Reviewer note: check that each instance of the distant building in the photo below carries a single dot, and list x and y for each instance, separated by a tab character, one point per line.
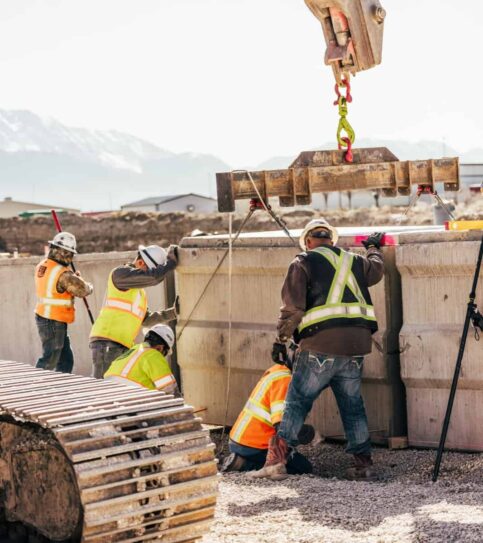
12	208
192	203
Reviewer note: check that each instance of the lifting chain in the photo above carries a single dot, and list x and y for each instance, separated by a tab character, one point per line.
344	141
424	189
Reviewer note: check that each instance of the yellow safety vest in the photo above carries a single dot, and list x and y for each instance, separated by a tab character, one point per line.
51	304
121	315
142	365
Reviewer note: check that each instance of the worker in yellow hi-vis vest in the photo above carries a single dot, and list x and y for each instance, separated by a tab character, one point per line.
145	365
125	307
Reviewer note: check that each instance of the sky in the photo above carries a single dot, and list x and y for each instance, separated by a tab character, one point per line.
241	79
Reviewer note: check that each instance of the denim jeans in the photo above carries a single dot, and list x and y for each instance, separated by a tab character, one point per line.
297	464
104	352
311	374
56	352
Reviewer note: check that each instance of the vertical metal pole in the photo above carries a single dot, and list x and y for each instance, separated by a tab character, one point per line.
469	311
170	294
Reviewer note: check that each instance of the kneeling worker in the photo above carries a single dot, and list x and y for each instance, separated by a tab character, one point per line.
145	365
258	423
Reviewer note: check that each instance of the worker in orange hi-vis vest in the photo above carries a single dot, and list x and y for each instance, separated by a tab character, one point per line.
258	422
56	287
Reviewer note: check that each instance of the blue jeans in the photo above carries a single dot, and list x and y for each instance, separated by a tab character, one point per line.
56	352
297	464
311	374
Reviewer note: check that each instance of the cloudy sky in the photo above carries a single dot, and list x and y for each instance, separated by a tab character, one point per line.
242	79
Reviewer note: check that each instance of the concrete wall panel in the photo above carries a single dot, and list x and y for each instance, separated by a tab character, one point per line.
18	334
437	273
259	267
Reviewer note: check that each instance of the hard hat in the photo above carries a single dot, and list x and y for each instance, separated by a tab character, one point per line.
312	225
64	240
153	255
164	332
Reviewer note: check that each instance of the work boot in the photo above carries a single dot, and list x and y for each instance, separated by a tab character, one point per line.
362	469
233	462
275	464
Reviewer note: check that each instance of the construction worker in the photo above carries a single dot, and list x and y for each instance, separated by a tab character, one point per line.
145	365
56	287
125	305
328	308
258	423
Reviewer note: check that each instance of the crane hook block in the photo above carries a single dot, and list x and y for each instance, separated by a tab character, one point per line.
353	31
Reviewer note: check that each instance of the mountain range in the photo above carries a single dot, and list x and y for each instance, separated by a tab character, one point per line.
45	161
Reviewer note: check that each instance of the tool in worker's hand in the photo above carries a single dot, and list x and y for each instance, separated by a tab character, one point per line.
474	316
376	240
58	227
279	353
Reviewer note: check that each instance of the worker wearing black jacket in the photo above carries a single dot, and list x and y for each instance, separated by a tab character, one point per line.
328	309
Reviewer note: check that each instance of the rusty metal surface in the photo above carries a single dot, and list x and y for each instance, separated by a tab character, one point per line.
326	171
353	31
113	463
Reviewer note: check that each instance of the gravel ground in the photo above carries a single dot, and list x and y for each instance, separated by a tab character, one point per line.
403	506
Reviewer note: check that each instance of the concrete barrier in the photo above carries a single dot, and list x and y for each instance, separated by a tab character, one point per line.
260	262
18	334
437	272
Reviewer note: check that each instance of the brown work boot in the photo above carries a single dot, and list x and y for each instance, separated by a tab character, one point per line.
362	469
275	464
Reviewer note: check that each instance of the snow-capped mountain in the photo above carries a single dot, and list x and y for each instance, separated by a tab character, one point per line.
43	160
25	131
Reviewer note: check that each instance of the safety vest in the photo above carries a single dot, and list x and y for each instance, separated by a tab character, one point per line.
121	315
255	425
337	293
142	366
50	303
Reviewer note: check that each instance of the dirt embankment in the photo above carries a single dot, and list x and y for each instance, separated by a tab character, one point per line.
121	231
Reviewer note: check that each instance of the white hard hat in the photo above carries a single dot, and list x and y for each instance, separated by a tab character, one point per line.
153	255
312	225
64	240
164	332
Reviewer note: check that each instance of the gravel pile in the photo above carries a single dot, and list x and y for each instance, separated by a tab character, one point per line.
403	506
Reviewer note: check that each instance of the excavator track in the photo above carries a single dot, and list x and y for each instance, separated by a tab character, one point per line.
88	460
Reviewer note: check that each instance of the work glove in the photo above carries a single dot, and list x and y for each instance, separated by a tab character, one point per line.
279	353
374	240
173	253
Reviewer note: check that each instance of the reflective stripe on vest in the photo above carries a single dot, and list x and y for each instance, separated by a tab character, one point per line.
121	316
255	425
52	304
335	308
142	365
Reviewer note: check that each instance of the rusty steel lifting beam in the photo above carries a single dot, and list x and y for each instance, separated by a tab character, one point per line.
326	171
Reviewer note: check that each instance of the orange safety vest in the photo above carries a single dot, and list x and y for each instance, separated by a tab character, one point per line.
52	304
255	424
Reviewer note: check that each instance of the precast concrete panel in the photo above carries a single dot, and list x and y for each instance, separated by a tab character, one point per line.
19	339
437	272
260	262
